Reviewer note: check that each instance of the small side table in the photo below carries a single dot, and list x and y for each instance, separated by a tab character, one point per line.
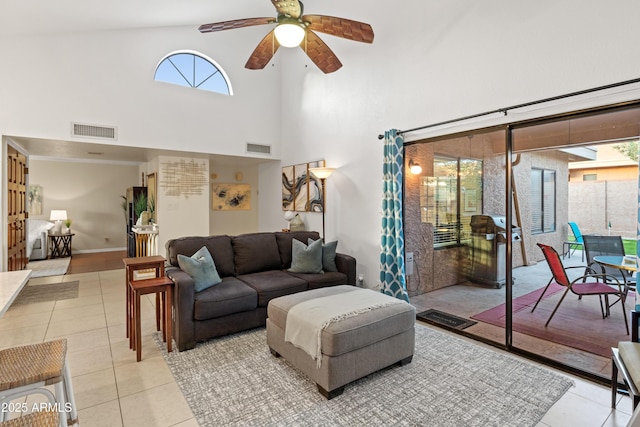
60	245
132	265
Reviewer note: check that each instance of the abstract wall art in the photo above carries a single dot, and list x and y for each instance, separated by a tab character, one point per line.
301	191
230	197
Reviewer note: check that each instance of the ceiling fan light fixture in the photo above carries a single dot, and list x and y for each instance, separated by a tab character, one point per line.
289	34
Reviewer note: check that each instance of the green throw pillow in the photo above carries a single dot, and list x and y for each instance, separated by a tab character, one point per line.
306	259
201	268
328	255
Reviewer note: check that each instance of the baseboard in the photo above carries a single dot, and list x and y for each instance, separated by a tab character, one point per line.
91	251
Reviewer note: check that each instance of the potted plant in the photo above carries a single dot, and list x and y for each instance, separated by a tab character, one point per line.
152	209
140	206
67	223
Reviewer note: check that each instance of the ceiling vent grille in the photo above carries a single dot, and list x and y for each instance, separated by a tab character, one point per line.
93	131
258	148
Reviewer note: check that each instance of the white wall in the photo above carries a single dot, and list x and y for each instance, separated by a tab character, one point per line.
237	221
181	213
440	61
90	193
106	78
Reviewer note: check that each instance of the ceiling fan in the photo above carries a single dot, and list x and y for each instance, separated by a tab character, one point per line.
295	29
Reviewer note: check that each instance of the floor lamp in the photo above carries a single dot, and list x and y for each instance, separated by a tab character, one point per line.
322	174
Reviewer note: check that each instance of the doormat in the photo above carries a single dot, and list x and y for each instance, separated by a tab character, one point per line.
32	294
440	318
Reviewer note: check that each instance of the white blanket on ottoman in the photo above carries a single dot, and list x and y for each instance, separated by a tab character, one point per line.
307	320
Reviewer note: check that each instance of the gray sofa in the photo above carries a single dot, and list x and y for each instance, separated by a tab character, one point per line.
253	268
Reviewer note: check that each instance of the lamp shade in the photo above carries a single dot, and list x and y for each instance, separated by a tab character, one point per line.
289	34
58	215
321	173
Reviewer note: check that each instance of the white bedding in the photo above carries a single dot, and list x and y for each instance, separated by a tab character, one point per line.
306	320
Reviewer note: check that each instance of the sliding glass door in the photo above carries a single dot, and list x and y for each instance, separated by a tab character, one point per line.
531	178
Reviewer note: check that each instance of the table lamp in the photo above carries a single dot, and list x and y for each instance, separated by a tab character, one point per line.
58	216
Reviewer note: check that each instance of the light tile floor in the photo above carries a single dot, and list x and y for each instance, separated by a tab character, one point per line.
112	389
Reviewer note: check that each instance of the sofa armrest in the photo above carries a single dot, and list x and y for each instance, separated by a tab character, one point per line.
347	264
183	306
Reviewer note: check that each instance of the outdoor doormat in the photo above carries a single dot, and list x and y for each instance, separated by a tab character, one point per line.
32	294
440	318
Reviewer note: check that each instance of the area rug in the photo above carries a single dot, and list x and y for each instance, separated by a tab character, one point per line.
32	294
234	380
440	318
49	267
578	323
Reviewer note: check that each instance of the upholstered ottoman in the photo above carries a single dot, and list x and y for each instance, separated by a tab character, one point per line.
357	343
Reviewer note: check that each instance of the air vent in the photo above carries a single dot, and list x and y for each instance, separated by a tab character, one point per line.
258	148
93	131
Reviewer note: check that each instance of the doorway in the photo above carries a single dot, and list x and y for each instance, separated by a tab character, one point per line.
16	210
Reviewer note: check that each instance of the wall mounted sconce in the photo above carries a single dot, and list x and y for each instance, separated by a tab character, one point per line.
415	168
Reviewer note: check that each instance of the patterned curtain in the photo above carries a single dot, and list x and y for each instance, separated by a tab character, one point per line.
392	270
638	233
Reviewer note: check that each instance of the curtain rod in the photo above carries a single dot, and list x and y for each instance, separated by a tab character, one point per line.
505	110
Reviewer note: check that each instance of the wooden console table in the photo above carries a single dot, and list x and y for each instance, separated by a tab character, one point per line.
60	245
146	241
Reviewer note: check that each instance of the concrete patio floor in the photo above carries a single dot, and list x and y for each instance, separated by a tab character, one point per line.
467	299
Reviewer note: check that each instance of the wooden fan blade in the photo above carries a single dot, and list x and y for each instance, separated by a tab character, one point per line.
292	8
320	53
263	53
340	27
230	25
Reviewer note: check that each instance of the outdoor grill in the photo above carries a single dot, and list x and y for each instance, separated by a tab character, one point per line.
488	249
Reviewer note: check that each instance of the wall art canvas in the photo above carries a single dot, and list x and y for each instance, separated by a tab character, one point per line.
287	188
35	200
315	189
301	191
230	197
300	185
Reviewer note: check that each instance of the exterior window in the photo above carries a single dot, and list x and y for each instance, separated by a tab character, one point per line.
543	201
450	197
590	177
194	70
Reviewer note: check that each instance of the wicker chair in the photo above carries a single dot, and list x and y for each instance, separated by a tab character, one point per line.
29	369
39	419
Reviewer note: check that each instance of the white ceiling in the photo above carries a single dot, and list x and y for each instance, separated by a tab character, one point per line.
20	17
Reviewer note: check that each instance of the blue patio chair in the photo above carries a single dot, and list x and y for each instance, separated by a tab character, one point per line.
569	247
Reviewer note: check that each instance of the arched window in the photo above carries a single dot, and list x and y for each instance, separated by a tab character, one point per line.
192	69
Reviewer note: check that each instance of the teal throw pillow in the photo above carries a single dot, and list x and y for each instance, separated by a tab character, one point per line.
201	268
306	259
328	255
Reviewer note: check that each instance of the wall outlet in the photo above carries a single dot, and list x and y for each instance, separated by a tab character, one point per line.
408	263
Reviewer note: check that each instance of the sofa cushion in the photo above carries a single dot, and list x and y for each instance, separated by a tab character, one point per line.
228	297
255	252
306	258
201	268
322	280
273	284
328	255
219	247
284	243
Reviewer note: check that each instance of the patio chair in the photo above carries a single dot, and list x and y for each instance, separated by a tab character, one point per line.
570	246
603	246
588	284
